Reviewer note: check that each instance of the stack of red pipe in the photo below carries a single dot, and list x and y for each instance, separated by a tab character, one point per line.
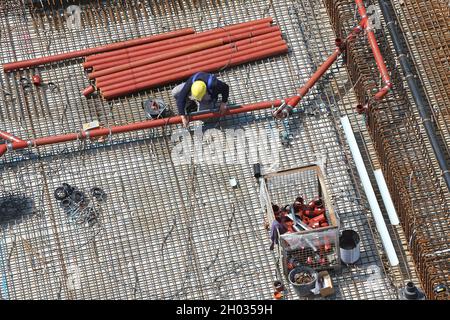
12	66
124	71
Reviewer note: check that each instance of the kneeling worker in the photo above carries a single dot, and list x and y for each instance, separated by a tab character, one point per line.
201	90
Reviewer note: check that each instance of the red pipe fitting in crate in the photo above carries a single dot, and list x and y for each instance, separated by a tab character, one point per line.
319	219
314	224
318	211
327	246
316	203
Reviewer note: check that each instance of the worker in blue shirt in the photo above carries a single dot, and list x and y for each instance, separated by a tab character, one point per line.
201	91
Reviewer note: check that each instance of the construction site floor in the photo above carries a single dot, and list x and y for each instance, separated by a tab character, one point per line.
169	231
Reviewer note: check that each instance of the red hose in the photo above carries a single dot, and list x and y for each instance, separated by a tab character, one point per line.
159	57
214	31
205	54
144	72
81	53
186	71
139	54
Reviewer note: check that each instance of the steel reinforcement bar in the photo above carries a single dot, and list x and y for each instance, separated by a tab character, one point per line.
420	197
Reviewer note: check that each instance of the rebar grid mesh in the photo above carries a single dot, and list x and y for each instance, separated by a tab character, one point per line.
166	231
426	27
421	198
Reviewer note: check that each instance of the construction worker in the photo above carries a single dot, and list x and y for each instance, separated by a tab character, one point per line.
278	227
200	92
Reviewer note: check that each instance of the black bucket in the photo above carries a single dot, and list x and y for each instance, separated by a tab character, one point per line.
349	246
303	289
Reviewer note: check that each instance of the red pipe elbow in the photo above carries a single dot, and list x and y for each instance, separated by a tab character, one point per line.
383	91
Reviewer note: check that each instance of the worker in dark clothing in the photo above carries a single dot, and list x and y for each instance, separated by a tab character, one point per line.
201	90
278	228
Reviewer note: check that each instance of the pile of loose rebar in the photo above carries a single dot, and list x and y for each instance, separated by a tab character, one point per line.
124	71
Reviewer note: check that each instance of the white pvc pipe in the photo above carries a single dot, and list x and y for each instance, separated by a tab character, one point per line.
387	200
376	211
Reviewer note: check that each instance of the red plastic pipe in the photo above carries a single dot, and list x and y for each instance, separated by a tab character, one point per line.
82	53
266	21
376	51
168	44
204	54
159	57
9	137
186	71
164	71
228	36
140	54
3	149
98	66
87	91
340	46
138	75
134	127
315	77
151	71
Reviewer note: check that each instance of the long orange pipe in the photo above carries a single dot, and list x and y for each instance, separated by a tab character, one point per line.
215	57
120	59
159	57
137	52
9	137
186	71
112	66
205	54
7	67
156	68
340	46
221	29
316	76
168	44
136	75
133	127
376	51
142	125
228	36
224	60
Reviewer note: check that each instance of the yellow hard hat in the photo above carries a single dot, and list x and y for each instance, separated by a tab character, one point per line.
198	90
